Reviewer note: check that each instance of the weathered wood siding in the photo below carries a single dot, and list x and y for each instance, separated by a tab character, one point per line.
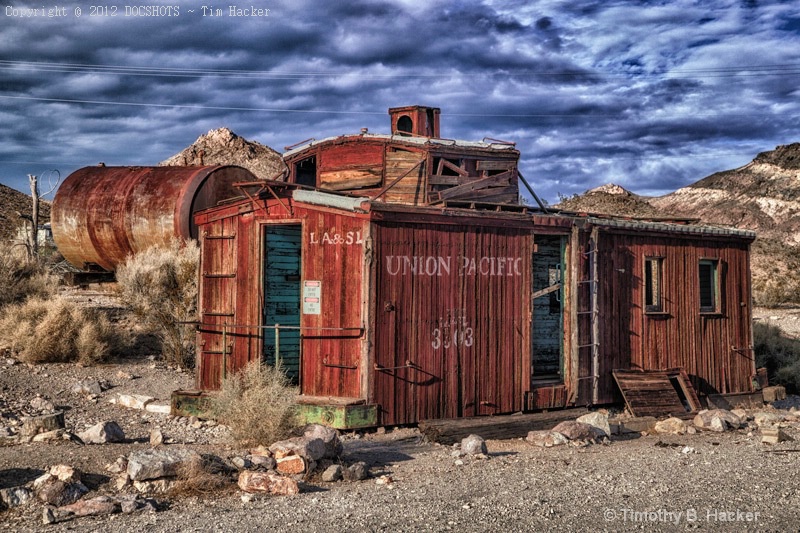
453	320
714	348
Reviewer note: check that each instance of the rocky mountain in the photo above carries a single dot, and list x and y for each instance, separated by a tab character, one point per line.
13	201
763	196
224	147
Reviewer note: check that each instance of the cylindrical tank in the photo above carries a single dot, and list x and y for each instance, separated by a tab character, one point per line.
100	215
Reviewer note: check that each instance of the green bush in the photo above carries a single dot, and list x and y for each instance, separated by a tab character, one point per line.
779	354
257	403
160	285
56	330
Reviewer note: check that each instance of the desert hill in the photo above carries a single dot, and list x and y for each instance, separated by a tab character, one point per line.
224	147
13	201
763	196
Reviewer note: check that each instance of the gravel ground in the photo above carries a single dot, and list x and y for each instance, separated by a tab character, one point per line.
640	482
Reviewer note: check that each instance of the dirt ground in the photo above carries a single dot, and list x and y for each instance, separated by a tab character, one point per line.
708	481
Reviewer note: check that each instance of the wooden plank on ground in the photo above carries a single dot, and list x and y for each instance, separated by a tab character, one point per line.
452	430
656	392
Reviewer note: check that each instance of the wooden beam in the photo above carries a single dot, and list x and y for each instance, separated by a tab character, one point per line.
452	430
460	171
491	181
496	165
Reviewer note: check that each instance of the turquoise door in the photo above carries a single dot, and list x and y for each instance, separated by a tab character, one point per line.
282	297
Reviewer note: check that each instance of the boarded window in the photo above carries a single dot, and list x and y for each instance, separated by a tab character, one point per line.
709	285
305	172
653	300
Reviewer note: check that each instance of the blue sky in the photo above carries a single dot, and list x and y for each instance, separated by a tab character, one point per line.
649	95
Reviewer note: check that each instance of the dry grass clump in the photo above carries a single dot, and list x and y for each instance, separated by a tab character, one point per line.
202	476
57	331
22	278
160	285
779	354
258	404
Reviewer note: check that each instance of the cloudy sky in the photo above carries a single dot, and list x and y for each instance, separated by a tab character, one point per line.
651	95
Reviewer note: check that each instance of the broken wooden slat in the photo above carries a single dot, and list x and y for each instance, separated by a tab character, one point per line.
491	181
337	180
656	392
460	171
496	165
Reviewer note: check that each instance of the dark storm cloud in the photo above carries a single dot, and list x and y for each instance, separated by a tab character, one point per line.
651	95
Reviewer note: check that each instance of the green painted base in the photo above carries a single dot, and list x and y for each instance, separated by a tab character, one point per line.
340	416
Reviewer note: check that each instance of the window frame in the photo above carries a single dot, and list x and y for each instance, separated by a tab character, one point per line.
653	281
712	279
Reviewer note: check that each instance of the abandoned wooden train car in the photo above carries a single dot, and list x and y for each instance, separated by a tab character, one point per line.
412	165
390	314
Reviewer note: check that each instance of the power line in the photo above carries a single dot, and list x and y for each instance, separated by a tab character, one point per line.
349	112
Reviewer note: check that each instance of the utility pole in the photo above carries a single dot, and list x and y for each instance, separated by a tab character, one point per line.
34	244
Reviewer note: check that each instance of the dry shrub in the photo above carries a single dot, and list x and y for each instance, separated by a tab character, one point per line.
202	476
22	278
56	331
160	285
257	403
779	354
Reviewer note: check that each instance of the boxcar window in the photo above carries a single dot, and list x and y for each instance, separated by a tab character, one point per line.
653	301
709	286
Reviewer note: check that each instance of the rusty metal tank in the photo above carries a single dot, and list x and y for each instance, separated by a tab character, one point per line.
102	214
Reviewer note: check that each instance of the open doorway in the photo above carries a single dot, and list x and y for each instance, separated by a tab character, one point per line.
281	312
547	328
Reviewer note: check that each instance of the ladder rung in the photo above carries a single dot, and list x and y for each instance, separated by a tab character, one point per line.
588	281
588	345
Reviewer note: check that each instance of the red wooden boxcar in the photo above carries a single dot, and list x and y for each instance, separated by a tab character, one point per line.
417	312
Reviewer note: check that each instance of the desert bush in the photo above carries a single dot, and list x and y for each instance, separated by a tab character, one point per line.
257	403
779	354
202	476
22	278
776	290
160	285
56	330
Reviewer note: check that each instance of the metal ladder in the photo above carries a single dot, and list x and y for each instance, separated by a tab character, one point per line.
593	312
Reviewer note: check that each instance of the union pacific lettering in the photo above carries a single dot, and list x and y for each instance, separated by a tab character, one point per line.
437	265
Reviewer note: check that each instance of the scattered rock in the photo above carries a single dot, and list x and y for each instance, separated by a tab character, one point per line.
384	480
267	482
263	462
766	418
41	404
154	464
159	408
156	437
290	465
773	436
134	401
473	445
56	492
102	433
101	505
717	420
332	474
671	426
118	466
87	387
546	438
598	420
154	486
574	430
329	436
242	463
121	374
16	496
356	472
311	449
33	425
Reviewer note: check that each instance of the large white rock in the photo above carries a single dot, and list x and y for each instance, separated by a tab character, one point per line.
598	420
102	433
153	464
